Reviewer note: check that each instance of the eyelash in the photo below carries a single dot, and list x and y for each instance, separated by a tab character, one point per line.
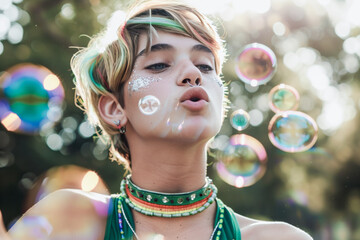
159	67
204	68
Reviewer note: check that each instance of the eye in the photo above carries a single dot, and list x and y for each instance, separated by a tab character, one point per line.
157	67
204	68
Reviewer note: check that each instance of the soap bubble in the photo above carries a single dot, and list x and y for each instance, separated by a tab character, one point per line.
292	131
256	64
242	162
77	181
283	98
27	94
149	104
239	119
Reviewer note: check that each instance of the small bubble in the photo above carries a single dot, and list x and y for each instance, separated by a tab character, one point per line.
239	119
283	98
149	104
256	64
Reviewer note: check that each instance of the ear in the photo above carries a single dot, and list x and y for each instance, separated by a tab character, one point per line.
111	111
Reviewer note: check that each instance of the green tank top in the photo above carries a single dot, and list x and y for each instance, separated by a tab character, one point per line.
230	229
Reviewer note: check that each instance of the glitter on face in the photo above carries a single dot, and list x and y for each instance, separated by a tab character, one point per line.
292	131
141	83
242	162
256	64
149	105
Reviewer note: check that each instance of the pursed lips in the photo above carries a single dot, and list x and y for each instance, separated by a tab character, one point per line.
194	99
195	94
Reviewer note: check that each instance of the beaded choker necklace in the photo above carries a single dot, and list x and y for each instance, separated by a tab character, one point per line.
168	204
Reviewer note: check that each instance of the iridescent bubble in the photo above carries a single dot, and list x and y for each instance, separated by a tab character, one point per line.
240	119
78	182
27	94
283	98
66	176
242	162
149	104
292	131
256	64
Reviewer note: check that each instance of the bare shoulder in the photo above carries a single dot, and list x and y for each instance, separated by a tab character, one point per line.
256	229
65	213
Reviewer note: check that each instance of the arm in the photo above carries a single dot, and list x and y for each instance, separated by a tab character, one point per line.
66	213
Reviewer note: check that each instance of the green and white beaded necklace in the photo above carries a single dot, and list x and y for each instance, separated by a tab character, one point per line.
169	205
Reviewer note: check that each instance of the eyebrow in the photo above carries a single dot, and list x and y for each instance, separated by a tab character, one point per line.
168	47
201	48
157	47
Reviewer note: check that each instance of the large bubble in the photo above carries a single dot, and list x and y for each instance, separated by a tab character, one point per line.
292	131
283	98
149	105
58	205
256	64
242	162
66	176
30	98
240	119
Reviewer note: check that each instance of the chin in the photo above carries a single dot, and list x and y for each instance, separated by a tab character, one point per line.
195	131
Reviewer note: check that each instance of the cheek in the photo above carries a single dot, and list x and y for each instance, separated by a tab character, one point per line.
141	84
217	80
147	96
219	102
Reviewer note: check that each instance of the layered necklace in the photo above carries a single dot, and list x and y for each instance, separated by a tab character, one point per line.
170	205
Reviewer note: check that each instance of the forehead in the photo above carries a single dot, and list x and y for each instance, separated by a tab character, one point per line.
179	42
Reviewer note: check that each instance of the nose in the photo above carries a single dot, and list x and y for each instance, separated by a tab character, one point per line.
190	75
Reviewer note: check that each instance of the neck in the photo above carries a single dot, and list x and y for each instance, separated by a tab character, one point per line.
169	167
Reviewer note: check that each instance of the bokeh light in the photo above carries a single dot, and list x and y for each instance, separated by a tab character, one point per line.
283	98
89	181
242	162
256	64
11	122
292	131
12	19
31	97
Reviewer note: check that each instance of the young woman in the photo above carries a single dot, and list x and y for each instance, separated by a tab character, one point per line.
157	97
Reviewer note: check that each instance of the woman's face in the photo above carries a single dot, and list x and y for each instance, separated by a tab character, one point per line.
174	91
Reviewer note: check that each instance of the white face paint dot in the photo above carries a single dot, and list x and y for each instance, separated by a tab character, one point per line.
149	104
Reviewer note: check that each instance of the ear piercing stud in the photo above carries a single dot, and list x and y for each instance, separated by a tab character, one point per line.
117	123
122	129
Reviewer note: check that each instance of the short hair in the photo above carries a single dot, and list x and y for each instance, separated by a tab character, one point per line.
99	73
